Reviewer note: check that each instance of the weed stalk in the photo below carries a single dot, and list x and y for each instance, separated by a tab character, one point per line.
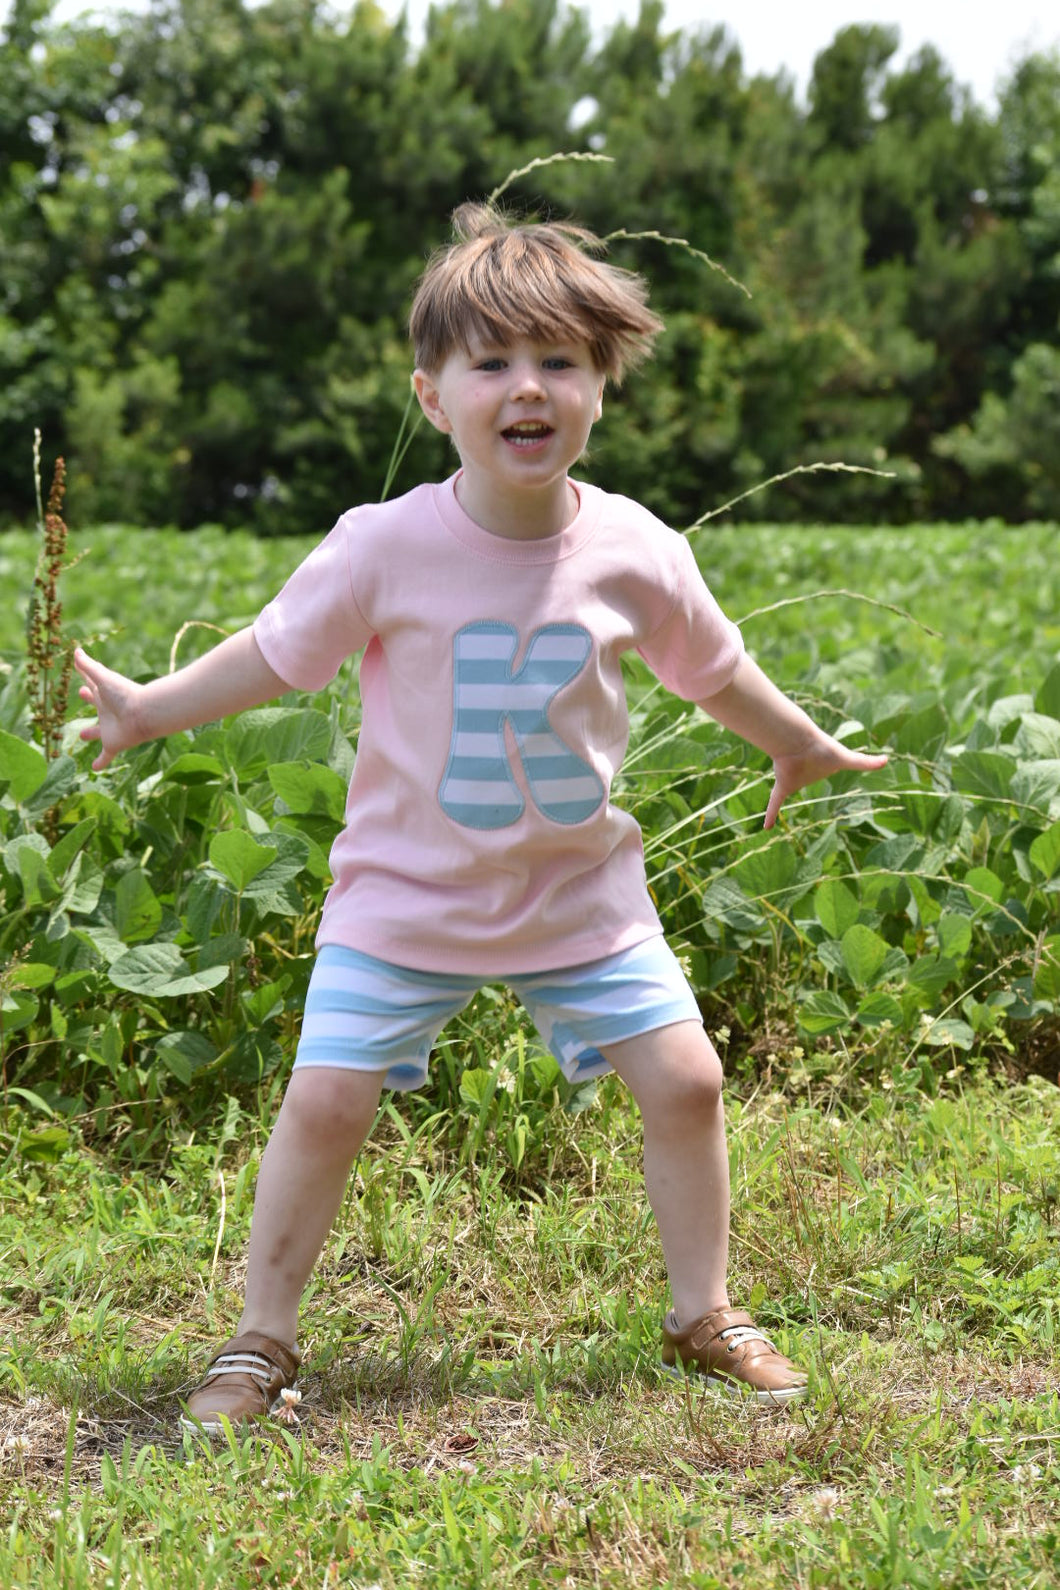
49	655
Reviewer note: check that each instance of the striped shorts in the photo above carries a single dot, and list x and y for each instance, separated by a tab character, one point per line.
367	1015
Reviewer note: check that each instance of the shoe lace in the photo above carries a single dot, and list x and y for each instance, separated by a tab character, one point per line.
256	1365
736	1335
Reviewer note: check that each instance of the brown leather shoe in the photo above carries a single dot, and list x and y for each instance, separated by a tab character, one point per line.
733	1356
244	1379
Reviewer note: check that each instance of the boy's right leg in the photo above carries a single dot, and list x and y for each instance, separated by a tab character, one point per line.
326	1115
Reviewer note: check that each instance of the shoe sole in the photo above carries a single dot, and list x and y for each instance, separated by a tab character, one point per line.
215	1427
736	1389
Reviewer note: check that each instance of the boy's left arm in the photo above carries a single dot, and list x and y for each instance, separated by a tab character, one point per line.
752	707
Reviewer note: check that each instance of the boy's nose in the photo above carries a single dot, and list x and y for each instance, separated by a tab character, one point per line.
526	381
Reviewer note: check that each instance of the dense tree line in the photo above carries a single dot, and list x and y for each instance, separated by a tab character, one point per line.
211	217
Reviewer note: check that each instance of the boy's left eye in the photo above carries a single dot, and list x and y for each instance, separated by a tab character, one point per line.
558	363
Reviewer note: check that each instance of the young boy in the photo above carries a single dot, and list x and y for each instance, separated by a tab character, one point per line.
480	842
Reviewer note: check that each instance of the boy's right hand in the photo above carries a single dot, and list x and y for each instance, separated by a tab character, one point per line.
117	700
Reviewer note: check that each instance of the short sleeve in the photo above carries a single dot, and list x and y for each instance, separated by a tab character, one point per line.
308	630
696	650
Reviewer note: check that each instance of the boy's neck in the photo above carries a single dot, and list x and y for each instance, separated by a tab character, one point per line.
518	516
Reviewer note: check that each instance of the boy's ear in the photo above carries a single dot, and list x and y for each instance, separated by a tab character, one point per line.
430	401
599	399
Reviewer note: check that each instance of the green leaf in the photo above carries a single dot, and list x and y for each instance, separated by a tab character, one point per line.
284	901
261	1004
60	779
929	975
137	911
30	974
822	1012
20	1008
82	885
984	773
222	950
1008	709
34	1100
206	899
475	1084
160	969
69	847
948	1030
724	901
767	870
22	767
310	788
289	853
1037	785
1038	739
46	1145
927	907
103	809
194	768
864	952
922	809
955	934
983	888
1047	699
878	1007
1045	851
1047	977
184	1053
836	907
239	858
923	734
26	858
271	735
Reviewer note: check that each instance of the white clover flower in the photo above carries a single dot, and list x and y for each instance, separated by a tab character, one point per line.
825	1503
291	1398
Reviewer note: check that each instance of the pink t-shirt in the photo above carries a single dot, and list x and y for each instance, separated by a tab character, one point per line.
479	834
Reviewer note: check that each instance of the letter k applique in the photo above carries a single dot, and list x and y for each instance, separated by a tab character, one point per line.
479	788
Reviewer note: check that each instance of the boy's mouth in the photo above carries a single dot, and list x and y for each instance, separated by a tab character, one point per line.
526	432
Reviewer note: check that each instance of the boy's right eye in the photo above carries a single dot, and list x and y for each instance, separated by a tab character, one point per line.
490	364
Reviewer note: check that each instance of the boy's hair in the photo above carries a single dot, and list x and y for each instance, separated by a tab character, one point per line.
500	281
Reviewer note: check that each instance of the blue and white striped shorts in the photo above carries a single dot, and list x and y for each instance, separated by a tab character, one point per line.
367	1015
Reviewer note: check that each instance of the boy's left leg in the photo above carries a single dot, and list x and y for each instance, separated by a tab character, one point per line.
675	1077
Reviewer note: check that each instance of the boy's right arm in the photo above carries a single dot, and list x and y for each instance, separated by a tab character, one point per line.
231	678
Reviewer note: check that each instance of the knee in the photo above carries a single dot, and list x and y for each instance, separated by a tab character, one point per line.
699	1089
690	1087
329	1105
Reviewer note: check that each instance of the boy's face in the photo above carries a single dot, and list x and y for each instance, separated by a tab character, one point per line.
519	414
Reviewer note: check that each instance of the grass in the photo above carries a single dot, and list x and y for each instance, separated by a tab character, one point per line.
482	1403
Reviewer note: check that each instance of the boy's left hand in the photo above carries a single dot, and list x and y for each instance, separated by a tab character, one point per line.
820	759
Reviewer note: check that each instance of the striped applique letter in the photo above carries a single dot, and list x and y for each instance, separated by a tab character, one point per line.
479	789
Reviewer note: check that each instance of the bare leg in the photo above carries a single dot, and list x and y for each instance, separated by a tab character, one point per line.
326	1115
675	1076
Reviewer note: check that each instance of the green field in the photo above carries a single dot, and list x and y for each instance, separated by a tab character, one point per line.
482	1403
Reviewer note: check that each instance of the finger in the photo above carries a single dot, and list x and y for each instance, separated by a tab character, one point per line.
861	762
83	662
776	801
90	731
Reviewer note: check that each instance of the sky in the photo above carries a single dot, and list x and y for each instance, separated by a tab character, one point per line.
979	44
979	48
